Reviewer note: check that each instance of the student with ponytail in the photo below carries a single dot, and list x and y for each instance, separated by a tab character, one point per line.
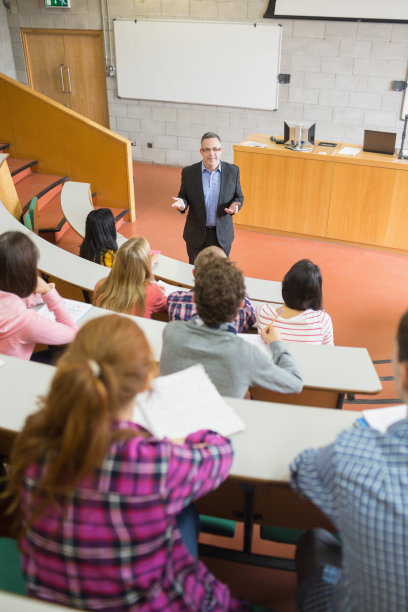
130	286
99	497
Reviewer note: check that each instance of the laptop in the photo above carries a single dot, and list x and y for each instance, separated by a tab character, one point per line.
379	142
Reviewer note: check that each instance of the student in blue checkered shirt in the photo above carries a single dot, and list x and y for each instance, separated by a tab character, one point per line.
361	483
181	307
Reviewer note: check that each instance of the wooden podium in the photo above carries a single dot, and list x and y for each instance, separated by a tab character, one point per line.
362	199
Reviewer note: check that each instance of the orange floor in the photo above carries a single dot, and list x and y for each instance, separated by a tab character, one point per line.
365	292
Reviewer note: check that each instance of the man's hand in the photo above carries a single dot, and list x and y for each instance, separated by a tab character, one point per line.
233	208
179	204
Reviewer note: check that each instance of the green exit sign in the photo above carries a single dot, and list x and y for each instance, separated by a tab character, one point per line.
58	3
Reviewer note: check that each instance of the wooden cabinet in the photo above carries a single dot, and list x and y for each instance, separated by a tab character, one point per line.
321	193
68	66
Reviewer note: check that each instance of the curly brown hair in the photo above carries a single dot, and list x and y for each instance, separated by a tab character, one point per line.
219	290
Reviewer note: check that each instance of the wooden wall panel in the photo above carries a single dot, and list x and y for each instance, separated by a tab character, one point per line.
284	193
369	205
67	143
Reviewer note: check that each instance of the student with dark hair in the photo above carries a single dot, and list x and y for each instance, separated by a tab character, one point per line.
99	244
181	306
360	483
21	328
301	318
99	497
233	364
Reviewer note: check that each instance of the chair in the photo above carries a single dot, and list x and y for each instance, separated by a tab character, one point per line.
30	217
11	575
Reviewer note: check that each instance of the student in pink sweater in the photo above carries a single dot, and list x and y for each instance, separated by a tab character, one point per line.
21	327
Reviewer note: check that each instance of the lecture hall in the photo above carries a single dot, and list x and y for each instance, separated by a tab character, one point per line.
232	177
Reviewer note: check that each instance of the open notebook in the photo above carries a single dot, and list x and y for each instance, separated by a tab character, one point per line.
185	402
76	309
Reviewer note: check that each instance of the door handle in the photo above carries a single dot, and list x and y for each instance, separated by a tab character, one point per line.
69	80
62	78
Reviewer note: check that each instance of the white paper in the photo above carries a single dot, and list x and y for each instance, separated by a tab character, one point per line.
76	309
168	288
183	403
2	363
252	143
382	418
348	151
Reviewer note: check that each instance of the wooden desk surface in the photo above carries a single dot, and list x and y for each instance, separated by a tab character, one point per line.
274	435
329	153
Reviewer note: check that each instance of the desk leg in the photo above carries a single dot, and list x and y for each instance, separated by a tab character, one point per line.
340	400
248	491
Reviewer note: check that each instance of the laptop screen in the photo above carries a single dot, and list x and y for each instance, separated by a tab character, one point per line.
379	142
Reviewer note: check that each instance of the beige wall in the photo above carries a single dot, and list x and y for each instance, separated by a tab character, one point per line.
341	75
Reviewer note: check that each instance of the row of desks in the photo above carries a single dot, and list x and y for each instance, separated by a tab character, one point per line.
78	272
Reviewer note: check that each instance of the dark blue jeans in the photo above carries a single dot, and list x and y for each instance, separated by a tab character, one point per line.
188	524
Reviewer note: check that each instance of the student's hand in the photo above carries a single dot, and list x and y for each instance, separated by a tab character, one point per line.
233	208
43	287
179	204
270	334
154	258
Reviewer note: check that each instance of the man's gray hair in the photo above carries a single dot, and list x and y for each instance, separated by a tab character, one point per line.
210	135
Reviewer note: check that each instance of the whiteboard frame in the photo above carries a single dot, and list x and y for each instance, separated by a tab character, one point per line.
295	9
201	72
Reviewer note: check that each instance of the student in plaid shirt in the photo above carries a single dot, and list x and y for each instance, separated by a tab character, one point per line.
361	483
99	496
181	306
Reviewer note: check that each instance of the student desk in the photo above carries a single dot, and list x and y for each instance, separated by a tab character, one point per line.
328	372
55	262
76	204
274	435
152	329
359	199
17	603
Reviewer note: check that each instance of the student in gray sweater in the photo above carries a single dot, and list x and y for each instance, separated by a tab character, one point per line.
232	363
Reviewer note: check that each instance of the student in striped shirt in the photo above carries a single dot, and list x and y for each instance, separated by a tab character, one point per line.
301	318
101	498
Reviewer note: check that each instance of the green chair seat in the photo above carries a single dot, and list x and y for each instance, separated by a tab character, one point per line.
280	534
217	526
11	574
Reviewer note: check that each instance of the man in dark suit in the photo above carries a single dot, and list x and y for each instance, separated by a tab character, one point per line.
211	193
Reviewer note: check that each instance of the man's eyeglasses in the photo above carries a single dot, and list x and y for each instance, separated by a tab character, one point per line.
213	150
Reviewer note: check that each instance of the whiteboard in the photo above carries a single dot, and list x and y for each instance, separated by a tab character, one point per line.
215	63
365	10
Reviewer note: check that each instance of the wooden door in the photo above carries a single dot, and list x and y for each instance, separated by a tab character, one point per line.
85	67
45	58
68	66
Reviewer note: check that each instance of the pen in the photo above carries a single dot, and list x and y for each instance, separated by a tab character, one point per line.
278	312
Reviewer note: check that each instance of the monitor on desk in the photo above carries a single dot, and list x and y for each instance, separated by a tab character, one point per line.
299	133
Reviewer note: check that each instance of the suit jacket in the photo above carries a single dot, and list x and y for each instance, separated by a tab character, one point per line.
191	191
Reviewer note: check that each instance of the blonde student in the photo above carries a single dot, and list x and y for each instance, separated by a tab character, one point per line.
130	287
99	497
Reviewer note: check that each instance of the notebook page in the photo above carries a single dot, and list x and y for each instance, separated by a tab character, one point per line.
382	418
76	309
183	403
